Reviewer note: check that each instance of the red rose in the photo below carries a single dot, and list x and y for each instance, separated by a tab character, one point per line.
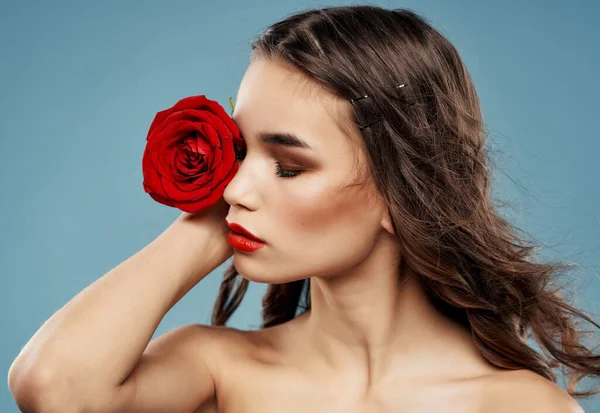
190	156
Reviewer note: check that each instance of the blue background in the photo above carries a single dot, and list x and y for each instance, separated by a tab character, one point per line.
80	82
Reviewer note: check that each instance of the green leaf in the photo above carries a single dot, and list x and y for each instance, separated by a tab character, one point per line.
231	104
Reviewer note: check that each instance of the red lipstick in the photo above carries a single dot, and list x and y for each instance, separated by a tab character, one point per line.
242	239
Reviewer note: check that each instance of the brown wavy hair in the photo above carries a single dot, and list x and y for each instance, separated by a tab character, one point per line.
428	159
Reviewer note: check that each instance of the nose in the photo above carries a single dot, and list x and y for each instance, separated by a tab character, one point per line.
241	190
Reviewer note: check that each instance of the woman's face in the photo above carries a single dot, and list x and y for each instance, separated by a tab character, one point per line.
292	197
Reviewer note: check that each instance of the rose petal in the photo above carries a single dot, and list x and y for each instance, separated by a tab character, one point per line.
151	177
177	195
168	142
190	102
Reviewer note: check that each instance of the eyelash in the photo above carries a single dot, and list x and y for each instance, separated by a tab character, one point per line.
282	173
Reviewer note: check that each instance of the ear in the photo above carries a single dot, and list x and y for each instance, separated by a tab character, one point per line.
386	222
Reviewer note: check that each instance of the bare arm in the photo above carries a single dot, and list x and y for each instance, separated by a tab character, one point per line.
89	356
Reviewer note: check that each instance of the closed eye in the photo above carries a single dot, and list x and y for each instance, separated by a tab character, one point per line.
240	153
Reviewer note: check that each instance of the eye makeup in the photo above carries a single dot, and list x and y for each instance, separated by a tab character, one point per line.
279	171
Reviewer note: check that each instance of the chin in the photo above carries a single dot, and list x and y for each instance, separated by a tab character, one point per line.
258	273
265	278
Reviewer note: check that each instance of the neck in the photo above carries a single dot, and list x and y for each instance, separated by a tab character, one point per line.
376	322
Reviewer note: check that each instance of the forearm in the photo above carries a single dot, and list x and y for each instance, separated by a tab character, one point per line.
97	338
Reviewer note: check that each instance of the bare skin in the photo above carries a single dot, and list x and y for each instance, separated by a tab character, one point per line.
283	369
292	371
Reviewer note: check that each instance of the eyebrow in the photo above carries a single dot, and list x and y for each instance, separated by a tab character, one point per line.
284	139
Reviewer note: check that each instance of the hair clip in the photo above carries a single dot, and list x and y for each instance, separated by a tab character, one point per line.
381	118
366	96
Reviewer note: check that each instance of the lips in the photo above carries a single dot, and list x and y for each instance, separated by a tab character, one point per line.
241	230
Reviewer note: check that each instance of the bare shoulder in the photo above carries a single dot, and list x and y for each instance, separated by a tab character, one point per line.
220	347
214	342
527	392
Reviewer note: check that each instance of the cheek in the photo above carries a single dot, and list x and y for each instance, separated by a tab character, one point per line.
322	231
312	209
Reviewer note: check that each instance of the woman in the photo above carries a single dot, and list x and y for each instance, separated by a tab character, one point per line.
365	183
